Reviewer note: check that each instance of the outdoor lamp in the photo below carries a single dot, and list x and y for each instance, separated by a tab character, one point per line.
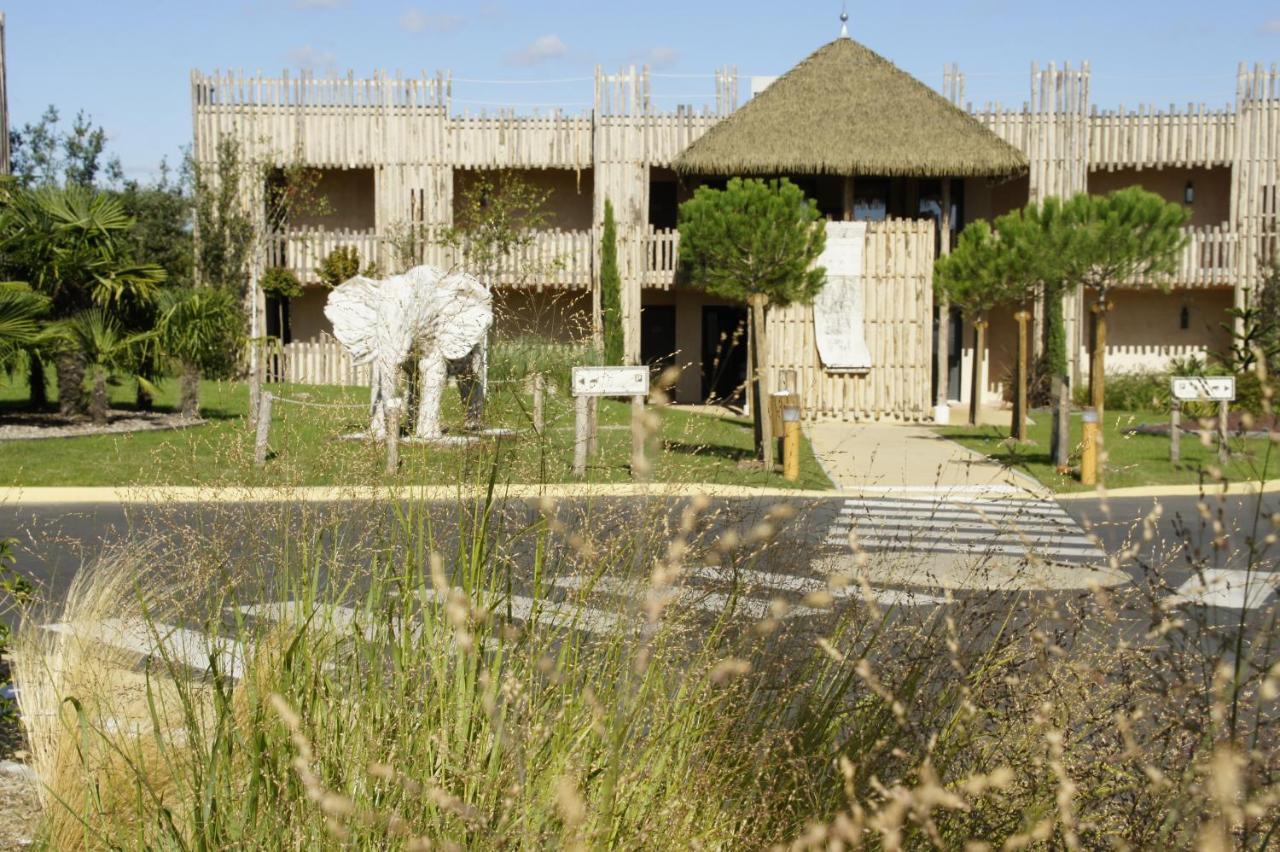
1189	194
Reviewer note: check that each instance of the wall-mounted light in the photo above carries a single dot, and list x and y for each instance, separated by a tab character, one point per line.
1189	194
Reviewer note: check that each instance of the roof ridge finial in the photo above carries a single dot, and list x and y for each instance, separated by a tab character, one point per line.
844	19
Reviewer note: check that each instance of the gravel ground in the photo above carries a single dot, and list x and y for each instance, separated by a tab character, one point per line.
29	425
19	806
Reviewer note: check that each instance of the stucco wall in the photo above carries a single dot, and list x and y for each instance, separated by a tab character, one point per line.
1144	333
568	206
350	199
1212	205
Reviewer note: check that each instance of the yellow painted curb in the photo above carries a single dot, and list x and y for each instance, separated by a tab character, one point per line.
1234	489
358	493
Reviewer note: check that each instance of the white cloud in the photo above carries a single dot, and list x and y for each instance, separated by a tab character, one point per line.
305	5
662	57
1271	27
542	49
310	58
416	20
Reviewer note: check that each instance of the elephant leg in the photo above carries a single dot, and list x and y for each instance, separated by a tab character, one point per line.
432	374
382	388
473	385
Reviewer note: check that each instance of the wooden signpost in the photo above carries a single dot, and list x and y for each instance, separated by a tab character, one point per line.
590	383
1219	389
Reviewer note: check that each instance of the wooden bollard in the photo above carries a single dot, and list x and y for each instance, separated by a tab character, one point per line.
581	434
639	466
263	430
393	409
539	409
1089	448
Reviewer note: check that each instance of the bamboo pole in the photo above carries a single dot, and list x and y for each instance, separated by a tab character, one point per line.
1019	427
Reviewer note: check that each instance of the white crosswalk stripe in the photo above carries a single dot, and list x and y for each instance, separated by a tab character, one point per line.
188	648
1223	588
964	525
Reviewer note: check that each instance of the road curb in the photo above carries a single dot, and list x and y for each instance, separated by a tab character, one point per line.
151	495
1234	489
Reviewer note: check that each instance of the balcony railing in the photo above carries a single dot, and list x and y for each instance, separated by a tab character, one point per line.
301	250
1208	260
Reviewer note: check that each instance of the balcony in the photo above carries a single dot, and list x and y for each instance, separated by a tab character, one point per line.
1208	261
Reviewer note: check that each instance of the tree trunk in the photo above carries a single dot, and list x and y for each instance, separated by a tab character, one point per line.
1097	361
752	389
189	390
71	368
1019	430
979	348
98	405
142	399
757	303
1060	439
37	382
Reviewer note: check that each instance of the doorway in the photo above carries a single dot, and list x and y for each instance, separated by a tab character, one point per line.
658	340
724	354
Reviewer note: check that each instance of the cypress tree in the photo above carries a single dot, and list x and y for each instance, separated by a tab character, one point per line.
610	290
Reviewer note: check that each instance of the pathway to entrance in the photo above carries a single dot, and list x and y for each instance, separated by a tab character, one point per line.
923	511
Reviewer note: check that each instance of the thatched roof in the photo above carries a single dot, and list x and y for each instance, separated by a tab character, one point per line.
846	110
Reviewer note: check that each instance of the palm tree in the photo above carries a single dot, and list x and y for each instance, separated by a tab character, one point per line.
21	313
107	352
72	245
202	328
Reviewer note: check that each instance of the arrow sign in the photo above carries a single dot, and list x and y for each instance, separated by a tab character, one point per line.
1204	388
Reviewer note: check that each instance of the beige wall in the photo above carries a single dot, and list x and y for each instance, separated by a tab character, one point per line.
562	316
568	205
350	198
306	314
1212	204
1143	331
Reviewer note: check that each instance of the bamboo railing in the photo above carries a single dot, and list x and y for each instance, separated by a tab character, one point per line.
1208	260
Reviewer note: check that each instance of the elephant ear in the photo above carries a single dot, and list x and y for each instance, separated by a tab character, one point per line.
464	315
352	308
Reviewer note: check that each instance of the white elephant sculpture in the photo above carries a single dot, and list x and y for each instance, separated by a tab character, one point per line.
444	319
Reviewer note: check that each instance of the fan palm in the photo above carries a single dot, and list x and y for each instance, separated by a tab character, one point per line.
71	244
202	329
21	321
107	351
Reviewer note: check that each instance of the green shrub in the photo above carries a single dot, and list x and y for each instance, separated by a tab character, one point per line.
341	264
281	283
517	358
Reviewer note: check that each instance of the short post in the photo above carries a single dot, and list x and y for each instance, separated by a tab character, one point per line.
1089	448
1175	432
639	466
1224	452
393	408
791	442
581	434
593	432
539	412
263	430
1019	430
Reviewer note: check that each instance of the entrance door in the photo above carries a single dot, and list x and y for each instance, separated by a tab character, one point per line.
658	339
724	353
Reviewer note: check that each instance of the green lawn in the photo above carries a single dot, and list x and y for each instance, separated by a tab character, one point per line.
306	447
1133	460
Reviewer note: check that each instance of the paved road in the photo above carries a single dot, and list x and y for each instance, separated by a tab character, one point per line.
916	547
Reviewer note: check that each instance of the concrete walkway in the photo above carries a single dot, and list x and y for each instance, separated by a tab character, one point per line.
908	457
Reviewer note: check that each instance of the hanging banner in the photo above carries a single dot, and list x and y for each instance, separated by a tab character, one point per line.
839	308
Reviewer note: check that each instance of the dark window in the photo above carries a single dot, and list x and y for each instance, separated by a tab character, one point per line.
664	209
1184	318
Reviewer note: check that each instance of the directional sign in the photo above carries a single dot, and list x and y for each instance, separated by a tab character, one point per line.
610	381
1204	388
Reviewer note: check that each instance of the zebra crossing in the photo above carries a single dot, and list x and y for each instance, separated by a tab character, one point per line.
963	525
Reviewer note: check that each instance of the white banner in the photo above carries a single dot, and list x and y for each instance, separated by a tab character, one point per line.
839	308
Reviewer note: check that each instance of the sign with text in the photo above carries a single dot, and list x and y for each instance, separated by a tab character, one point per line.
610	381
1204	388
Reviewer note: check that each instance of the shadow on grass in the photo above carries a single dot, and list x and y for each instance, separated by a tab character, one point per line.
717	450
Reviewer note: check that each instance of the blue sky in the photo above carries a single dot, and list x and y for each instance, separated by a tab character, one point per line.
127	62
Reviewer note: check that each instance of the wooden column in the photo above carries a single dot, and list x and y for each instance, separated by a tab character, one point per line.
941	361
1019	427
979	347
757	303
1175	432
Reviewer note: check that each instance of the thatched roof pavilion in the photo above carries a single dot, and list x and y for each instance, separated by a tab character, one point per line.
848	111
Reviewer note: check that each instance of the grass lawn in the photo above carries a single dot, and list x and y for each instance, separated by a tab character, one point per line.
1133	460
306	447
